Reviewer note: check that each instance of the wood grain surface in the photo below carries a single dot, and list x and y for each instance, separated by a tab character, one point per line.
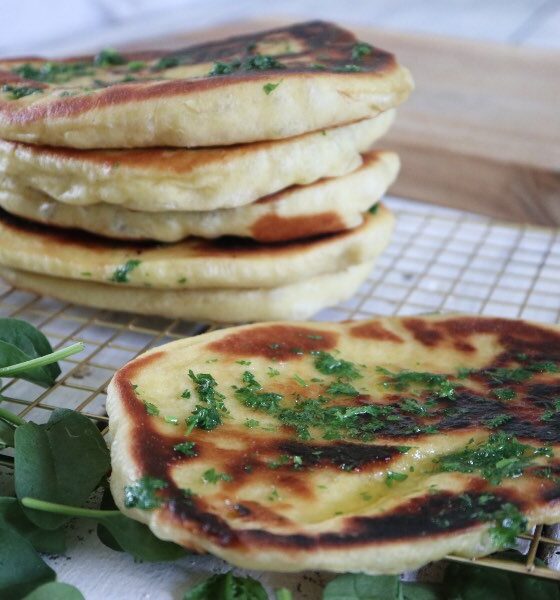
481	132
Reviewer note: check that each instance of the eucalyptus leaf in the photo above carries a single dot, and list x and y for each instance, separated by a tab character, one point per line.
20	342
469	582
62	461
12	515
524	585
125	534
421	591
6	435
120	533
137	539
227	587
55	591
358	586
21	568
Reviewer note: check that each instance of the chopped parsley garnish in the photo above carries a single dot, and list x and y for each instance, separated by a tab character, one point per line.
186	394
16	92
251	395
502	456
361	49
497	420
54	72
403	449
136	65
392	476
167	62
509	523
143	493
343	389
171	420
404	380
463	372
243	362
186	448
281	461
411	405
348	69
213	476
272	372
372	210
258	62
329	365
300	381
109	58
551	412
121	274
504	393
274	495
268	88
262	62
251	423
208	415
151	409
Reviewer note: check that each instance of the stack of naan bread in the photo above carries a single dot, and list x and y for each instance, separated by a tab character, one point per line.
229	181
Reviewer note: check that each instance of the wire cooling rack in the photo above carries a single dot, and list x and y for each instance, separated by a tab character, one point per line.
439	260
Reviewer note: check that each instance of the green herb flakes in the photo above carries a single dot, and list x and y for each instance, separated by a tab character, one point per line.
143	494
186	448
361	49
121	274
327	364
213	476
392	476
16	92
268	88
502	456
208	415
109	58
497	421
404	380
342	389
504	393
151	409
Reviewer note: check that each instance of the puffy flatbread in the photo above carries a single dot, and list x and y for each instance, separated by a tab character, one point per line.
263	86
329	205
372	446
297	301
194	263
159	179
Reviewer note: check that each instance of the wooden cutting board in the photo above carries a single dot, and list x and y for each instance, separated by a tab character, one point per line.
481	131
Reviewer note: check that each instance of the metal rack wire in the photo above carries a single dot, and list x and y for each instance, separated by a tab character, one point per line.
439	260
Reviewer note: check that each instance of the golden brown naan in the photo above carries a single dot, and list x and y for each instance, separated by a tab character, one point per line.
344	447
262	86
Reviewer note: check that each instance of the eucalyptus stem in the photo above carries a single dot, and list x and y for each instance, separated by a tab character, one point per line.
10	417
42	360
64	509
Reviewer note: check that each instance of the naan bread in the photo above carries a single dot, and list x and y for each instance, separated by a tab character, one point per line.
342	446
263	86
194	263
329	205
163	179
296	301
